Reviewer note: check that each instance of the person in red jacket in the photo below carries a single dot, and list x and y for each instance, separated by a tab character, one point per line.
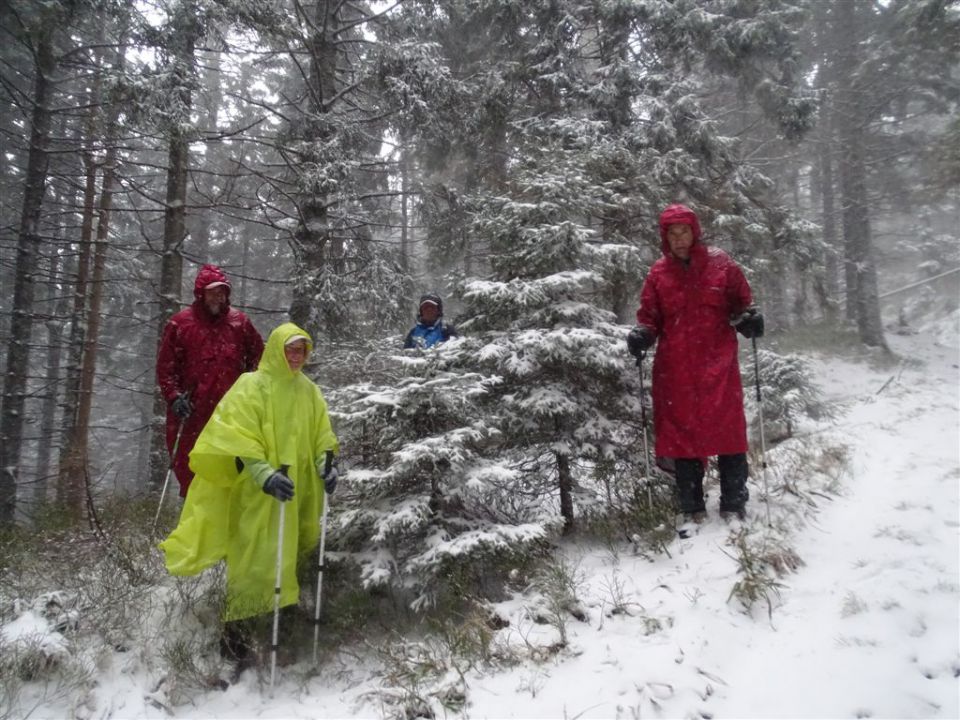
692	304
204	349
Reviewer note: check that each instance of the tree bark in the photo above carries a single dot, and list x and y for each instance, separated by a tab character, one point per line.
861	272
78	322
28	241
77	445
830	294
317	244
174	218
48	412
405	152
565	482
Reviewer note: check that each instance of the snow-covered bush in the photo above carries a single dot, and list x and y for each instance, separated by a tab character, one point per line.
789	395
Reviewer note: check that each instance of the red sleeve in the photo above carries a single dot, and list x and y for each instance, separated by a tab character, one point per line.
738	289
253	346
649	314
168	378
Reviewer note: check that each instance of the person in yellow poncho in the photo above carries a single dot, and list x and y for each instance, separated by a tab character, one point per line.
271	418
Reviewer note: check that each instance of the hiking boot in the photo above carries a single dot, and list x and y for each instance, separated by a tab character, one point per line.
729	515
691	523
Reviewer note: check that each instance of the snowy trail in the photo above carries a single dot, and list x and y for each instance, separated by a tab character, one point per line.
868	627
871	622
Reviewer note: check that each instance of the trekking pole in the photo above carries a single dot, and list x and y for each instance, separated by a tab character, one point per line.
276	591
763	443
327	465
166	482
643	416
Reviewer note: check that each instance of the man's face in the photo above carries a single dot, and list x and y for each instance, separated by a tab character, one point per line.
296	354
680	240
215	299
429	313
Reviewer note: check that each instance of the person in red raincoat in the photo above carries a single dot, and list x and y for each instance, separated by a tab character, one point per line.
204	349
692	304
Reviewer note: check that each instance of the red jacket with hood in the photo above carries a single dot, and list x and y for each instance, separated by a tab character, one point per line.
202	354
697	396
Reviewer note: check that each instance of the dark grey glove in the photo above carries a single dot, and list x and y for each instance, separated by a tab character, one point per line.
330	480
279	485
639	340
750	324
181	405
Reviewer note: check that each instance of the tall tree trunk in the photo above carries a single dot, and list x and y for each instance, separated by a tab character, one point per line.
78	321
827	285
174	218
404	203
28	241
58	300
861	270
78	443
565	482
200	241
317	243
830	295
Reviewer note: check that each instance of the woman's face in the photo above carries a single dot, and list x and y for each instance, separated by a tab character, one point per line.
296	354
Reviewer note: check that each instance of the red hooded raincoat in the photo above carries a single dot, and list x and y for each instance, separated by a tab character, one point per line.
203	354
697	396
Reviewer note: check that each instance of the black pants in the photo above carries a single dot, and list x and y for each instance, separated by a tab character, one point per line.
733	483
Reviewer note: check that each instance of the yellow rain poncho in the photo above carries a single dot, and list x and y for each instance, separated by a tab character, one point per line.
279	416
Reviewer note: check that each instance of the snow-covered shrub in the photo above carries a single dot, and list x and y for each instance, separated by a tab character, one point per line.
30	645
558	584
788	392
631	507
95	600
758	579
420	679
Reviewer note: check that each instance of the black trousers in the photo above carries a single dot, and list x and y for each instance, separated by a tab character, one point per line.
733	483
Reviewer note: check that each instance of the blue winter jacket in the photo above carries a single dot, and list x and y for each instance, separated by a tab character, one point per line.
426	336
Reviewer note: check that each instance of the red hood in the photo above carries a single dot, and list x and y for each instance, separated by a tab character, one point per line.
209	274
677	215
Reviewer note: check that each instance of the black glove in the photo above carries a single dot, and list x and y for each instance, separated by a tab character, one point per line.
279	485
750	324
181	406
639	340
330	480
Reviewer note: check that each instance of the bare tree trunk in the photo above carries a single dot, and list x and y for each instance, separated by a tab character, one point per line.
565	481
200	235
78	444
174	222
316	240
830	296
404	204
78	323
28	241
48	414
861	272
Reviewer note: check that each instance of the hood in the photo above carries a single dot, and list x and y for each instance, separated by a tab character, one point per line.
209	274
675	215
273	361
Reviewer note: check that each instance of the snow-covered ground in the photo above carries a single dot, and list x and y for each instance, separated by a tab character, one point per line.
867	626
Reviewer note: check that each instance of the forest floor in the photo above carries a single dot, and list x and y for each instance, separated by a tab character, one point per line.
860	621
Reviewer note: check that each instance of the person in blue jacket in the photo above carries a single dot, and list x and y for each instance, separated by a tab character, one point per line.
430	329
